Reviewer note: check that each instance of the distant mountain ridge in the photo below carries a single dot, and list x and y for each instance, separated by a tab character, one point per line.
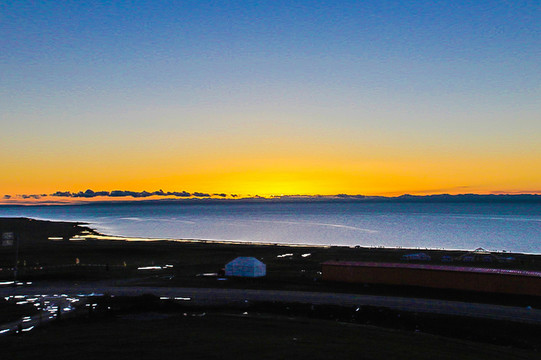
407	198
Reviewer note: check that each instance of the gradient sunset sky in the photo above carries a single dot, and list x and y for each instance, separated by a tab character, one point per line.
270	97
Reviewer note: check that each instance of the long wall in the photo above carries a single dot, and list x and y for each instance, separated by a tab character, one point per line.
441	277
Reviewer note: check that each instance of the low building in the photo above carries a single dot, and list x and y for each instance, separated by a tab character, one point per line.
517	282
478	255
416	257
246	267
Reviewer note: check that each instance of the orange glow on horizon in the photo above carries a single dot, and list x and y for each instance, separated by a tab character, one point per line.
269	100
53	200
290	169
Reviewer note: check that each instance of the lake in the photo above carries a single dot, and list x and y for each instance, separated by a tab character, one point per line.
494	226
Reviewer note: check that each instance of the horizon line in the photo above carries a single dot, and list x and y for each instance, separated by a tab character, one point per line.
135	197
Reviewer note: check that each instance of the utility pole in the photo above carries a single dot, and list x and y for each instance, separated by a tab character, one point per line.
16	269
7	240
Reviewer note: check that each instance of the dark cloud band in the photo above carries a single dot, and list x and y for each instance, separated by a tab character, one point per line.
126	193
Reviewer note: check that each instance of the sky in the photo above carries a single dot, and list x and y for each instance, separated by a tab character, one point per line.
270	97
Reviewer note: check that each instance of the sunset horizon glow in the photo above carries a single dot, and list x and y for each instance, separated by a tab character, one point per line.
82	197
379	98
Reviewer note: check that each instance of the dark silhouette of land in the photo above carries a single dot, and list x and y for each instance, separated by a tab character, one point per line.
53	255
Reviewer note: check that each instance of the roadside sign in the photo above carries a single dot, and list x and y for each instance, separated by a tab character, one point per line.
8	238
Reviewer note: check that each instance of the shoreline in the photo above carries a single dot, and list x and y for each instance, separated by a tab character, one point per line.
201	264
91	233
293	245
416	226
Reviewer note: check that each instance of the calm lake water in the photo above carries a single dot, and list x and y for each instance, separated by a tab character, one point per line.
494	226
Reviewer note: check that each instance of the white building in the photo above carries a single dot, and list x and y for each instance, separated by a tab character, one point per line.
245	267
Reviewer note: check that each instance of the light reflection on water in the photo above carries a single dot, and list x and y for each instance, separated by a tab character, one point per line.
512	226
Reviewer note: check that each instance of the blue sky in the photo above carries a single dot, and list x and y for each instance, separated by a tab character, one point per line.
377	81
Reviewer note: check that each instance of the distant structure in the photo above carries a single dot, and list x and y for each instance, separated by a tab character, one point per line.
478	255
246	267
416	257
518	282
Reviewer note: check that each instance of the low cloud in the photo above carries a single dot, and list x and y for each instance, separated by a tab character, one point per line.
127	193
86	194
198	194
32	196
180	194
62	194
90	194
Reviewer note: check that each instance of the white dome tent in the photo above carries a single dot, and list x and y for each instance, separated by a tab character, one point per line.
245	267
